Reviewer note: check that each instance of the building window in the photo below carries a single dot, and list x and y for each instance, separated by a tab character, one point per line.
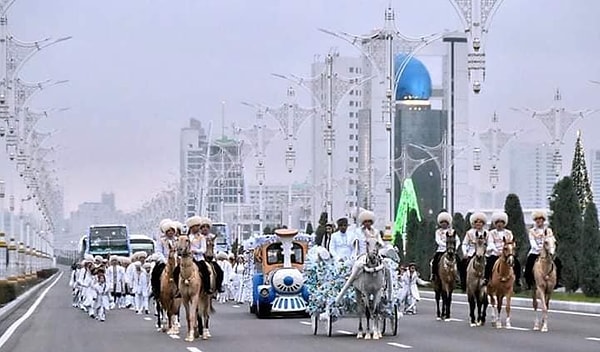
351	103
351	114
351	92
351	126
351	148
351	69
351	159
351	137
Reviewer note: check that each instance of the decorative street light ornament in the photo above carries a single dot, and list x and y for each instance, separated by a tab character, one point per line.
11	203
476	15
476	158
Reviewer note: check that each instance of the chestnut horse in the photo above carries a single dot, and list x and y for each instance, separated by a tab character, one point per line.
476	289
544	273
501	285
168	303
189	286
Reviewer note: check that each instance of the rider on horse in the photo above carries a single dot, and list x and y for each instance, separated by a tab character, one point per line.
444	220
477	221
341	248
366	231
198	230
536	240
496	239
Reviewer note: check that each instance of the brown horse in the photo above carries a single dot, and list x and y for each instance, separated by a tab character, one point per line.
501	285
544	273
169	304
189	286
476	289
445	279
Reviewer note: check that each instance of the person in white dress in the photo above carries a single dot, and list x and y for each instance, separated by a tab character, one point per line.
115	279
409	295
102	303
238	277
341	246
223	262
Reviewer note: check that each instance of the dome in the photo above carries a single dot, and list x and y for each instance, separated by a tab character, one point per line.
415	82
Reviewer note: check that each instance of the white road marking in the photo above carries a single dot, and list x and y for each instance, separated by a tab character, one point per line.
345	332
11	330
174	336
147	318
582	314
193	349
235	306
593	339
518	328
305	323
399	345
454	319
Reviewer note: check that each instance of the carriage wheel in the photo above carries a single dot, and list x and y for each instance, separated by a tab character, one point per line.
329	324
314	320
394	320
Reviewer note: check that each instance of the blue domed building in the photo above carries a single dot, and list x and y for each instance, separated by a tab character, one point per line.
417	123
414	82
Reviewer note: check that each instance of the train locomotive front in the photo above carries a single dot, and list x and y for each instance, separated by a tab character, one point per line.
278	282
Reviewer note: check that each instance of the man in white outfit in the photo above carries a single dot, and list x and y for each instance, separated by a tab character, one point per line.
341	247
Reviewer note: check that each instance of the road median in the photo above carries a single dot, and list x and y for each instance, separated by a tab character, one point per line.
14	294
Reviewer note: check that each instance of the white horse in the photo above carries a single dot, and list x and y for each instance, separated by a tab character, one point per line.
368	278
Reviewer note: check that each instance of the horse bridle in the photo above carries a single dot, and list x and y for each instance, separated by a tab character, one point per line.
377	262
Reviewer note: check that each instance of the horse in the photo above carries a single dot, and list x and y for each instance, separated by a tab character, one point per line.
155	275
369	280
168	304
445	280
476	288
501	285
544	273
189	286
205	300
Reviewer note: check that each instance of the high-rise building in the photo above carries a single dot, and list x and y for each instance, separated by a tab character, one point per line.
92	213
193	153
594	171
345	126
531	174
225	182
275	204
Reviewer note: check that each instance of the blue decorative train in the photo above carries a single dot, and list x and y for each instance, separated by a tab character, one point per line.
277	278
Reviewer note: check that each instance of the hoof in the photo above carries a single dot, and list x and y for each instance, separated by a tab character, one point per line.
536	328
478	323
206	333
367	336
376	337
189	339
472	325
544	328
447	320
359	336
498	325
438	318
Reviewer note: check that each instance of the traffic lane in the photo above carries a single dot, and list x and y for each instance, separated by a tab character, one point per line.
568	323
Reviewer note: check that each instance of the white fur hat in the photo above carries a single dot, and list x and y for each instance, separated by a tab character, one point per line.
366	215
178	226
500	217
538	214
193	221
477	216
142	254
138	264
444	216
147	266
206	221
169	225
221	256
231	256
162	223
88	257
98	258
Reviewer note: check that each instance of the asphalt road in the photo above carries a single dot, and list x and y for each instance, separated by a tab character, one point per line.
56	326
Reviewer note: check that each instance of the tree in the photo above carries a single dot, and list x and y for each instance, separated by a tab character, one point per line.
267	230
567	225
458	223
412	236
309	228
579	174
468	221
427	244
516	224
590	253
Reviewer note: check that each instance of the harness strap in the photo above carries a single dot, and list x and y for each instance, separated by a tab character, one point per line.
375	269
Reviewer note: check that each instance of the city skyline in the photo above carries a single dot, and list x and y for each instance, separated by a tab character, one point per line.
120	133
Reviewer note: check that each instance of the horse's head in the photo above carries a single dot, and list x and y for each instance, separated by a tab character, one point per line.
508	252
373	247
480	244
451	243
550	245
184	246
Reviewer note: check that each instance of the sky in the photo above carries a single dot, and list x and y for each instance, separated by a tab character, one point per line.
139	69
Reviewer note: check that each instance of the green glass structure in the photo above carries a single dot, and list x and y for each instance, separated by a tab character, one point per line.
408	201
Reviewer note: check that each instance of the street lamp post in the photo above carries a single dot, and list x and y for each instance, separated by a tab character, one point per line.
290	117
557	120
495	140
382	60
476	16
336	88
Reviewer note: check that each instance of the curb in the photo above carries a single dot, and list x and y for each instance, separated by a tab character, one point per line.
526	302
10	307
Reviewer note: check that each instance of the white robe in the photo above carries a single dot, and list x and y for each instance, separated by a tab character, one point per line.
102	295
115	283
409	285
141	283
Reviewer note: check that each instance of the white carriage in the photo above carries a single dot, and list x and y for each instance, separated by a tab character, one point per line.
324	280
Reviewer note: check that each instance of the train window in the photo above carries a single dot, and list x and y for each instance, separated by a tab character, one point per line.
275	254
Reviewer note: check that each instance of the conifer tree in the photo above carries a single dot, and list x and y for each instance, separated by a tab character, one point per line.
458	223
516	224
590	253
566	223
579	174
412	236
